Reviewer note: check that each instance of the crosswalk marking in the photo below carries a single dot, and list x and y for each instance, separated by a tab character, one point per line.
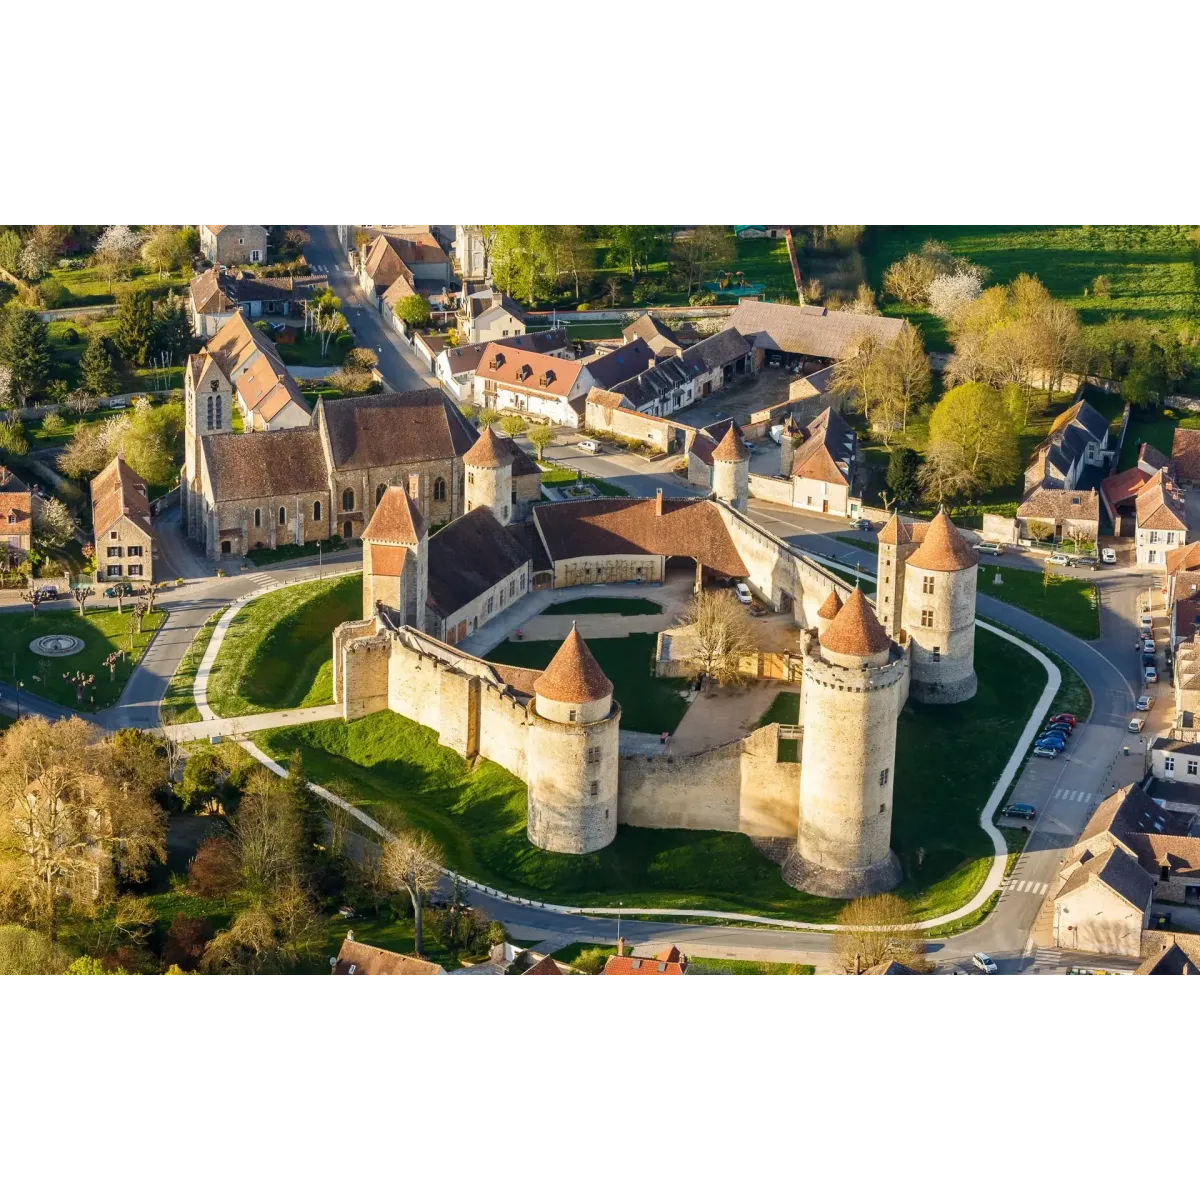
261	578
1075	796
1033	886
1047	958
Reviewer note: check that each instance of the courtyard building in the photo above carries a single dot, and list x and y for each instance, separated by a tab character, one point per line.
124	539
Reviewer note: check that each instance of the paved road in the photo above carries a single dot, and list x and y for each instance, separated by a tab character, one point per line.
400	367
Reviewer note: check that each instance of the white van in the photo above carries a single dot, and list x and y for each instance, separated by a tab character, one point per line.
743	593
590	446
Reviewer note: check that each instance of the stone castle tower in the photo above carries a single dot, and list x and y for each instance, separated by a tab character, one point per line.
939	615
896	544
787	445
731	470
396	558
488	465
208	409
850	703
572	752
827	611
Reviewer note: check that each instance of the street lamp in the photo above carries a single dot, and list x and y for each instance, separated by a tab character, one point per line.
20	685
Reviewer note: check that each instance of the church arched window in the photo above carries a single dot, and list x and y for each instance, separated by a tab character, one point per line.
439	488
348	500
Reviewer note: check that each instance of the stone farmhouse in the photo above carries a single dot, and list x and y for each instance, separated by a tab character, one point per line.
1161	520
806	335
1119	492
230	245
1185	456
455	366
216	294
663	341
16	519
470	252
1078	439
124	539
819	460
485	314
1052	514
358	958
408	253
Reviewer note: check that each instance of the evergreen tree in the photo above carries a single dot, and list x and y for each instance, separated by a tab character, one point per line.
25	349
902	484
172	331
135	325
99	368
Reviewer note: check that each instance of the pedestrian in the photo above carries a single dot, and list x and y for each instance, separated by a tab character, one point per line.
662	741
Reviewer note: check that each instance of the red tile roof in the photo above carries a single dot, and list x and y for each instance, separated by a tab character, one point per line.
119	491
943	548
856	629
573	676
669	962
395	519
1122	487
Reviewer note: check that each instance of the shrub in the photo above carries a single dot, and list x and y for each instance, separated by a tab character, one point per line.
186	941
361	359
70	336
53	424
591	962
584	307
215	871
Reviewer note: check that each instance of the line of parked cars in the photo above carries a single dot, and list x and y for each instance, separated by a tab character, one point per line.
1052	741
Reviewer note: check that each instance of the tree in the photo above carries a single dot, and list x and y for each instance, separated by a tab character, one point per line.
70	829
270	937
721	635
161	251
854	377
135	325
702	254
414	311
25	350
116	251
876	938
325	315
6	386
412	862
27	952
361	358
81	595
486	417
950	294
635	245
541	436
79	402
214	871
12	437
171	332
972	445
186	941
53	525
153	442
864	301
98	367
93	446
512	425
10	251
576	257
908	280
268	831
900	380
902	477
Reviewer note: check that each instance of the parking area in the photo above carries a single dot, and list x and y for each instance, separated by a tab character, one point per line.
739	399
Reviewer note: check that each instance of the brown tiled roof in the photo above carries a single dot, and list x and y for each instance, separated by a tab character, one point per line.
276	462
891	967
544	966
629	525
520	679
717	351
670	962
709	438
396	519
117	490
1061	505
207	296
468	557
531	372
266	389
1155	850
1185	453
384	262
1119	871
16	499
1177	954
943	548
357	958
1183	558
856	629
807	329
1121	487
573	676
730	448
831	607
1153	457
400	288
661	340
236	342
214	229
1159	505
896	532
396	427
489	451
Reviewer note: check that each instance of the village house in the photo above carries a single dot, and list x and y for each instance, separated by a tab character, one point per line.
760	231
1185	456
1054	514
663	341
822	465
1119	492
410	253
537	385
614	413
124	539
16	519
1161	520
358	958
216	294
665	388
717	360
668	962
486	314
1078	439
470	252
1170	954
455	366
229	245
806	335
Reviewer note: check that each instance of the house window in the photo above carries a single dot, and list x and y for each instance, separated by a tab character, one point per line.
1170	537
595	788
927	585
470	476
348	500
439	488
282	515
512	588
114	552
593	754
258	518
1169	765
210	412
1152	556
571	715
1193	767
379	492
1153	536
12	518
1164	873
114	570
254	256
316	510
134	569
112	537
135	552
218	412
883	778
489	608
927	618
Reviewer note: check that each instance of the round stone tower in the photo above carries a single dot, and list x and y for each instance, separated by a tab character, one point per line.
850	702
939	614
488	464
731	470
571	753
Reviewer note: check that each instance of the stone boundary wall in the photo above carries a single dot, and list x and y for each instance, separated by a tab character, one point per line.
772	488
629	315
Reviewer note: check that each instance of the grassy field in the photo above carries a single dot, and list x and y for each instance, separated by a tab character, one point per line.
648	704
1063	600
947	762
65	357
785	709
86	285
278	651
179	704
1156	426
261	558
102	630
738	966
626	606
306	352
558	476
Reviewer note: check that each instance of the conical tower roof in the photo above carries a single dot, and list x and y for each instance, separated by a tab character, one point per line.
730	448
895	532
831	607
396	519
573	676
943	547
856	629
489	451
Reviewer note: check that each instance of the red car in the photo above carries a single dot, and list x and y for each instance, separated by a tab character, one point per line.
1063	719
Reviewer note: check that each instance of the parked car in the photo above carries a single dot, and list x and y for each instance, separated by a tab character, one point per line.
989	548
1136	724
1059	560
743	593
1146	621
47	592
1144	703
1145	644
1045	752
775	433
1150	675
985	963
119	589
1056	740
1147	659
589	446
1087	563
1108	555
1065	730
861	523
1022	812
1065	718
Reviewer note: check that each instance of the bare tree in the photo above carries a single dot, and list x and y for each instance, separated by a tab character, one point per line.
853	378
33	597
268	831
412	862
82	595
722	636
879	936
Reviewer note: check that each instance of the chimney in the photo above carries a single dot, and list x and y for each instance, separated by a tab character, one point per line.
349	935
650	363
658	503
620	947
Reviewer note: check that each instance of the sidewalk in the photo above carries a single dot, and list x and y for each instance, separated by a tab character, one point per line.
238	727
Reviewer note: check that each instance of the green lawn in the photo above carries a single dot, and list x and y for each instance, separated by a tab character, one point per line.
738	966
179	704
266	556
649	704
785	709
306	352
103	630
65	356
871	548
1062	600
86	285
557	476
278	651
626	606
1156	426
587	331
948	760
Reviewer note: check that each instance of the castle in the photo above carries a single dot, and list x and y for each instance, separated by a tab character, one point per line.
559	730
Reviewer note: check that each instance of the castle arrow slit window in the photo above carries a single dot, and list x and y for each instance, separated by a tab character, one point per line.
883	776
